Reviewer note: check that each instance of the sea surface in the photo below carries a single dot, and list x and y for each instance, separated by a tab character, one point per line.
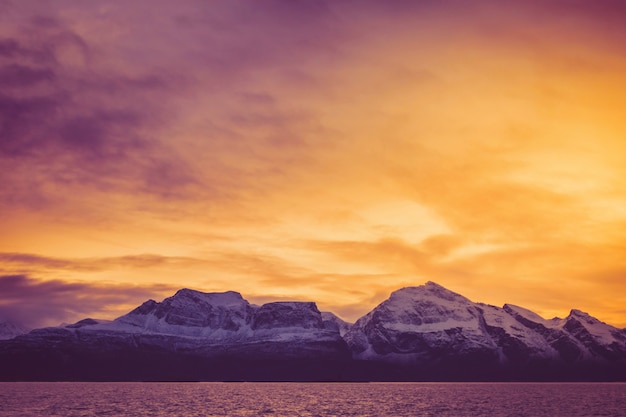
312	399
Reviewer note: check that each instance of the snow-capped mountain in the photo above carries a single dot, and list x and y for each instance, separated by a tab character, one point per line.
419	333
193	313
226	318
191	335
209	324
420	323
430	325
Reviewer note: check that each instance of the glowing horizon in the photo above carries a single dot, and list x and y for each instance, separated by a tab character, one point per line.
325	151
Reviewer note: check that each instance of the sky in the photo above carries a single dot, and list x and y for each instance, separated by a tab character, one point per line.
324	150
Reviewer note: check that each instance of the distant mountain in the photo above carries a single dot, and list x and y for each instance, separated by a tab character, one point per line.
419	333
8	330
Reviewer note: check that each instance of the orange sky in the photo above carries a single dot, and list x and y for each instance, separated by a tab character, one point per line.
328	151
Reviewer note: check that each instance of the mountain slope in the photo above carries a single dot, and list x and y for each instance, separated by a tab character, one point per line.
333	322
431	329
9	330
419	324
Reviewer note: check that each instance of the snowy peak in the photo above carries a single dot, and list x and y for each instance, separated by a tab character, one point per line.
530	319
228	298
84	323
424	321
428	290
574	313
442	292
524	313
600	338
144	309
428	322
419	332
189	309
227	316
427	305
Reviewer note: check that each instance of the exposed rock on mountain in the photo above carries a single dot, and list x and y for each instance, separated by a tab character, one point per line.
429	329
191	335
282	315
420	324
332	322
193	313
419	333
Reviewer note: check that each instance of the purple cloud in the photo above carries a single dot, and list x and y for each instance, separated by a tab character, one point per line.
9	47
34	303
16	75
89	111
72	124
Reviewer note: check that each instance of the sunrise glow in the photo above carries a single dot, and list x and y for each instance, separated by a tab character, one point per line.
326	151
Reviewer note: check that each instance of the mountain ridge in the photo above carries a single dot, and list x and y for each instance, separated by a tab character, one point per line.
424	332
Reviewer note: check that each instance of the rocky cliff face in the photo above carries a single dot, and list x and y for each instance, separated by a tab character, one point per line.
194	313
334	323
282	315
224	318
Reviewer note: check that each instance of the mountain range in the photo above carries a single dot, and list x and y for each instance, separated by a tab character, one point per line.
423	333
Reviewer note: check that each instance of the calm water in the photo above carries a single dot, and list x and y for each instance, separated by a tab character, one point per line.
319	399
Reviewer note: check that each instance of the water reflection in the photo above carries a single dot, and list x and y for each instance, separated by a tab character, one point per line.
316	399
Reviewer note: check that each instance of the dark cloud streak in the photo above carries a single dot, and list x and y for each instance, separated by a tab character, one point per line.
36	303
27	261
9	47
15	75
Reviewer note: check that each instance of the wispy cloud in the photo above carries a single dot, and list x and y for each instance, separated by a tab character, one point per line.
36	262
69	123
328	148
36	303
